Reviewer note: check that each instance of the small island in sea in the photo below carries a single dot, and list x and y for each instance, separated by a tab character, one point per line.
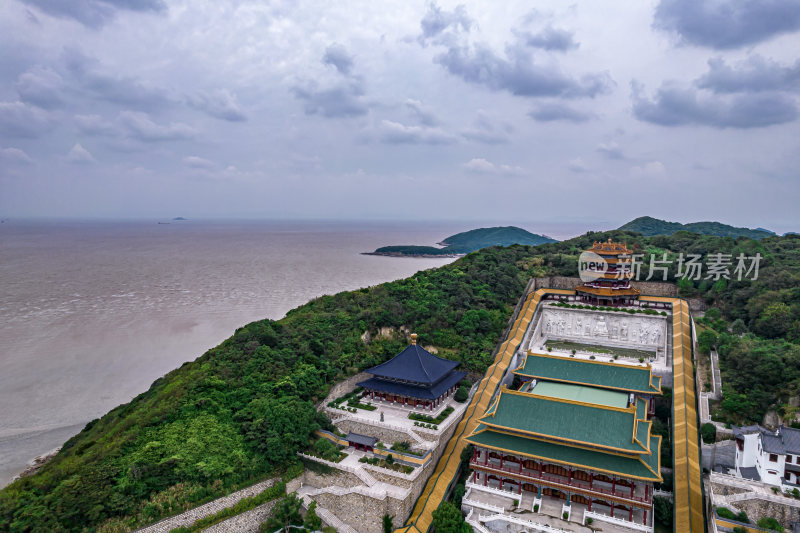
466	242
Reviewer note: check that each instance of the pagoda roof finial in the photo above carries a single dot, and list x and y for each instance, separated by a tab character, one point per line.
414	338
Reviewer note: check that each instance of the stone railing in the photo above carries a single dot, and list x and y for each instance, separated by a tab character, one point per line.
616	521
358	472
477	526
566	509
482	505
663	494
504	493
329	518
536	526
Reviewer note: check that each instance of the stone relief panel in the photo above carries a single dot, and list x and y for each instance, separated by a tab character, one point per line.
596	327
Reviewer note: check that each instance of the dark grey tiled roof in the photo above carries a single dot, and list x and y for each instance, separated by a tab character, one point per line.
750	472
772	443
738	431
791	439
415	364
413	391
364	440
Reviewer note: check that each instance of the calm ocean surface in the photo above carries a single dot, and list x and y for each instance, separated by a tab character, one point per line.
92	313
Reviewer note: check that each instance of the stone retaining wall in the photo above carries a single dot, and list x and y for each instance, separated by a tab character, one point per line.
757	509
650	288
247	522
337	477
385	435
343	387
191	516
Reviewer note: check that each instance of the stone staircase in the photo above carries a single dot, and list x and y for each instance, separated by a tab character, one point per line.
328	517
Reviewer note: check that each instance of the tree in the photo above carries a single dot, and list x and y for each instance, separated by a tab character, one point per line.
461	395
774	321
706	340
325	449
662	508
738	327
447	518
709	432
312	521
387	524
285	513
768	522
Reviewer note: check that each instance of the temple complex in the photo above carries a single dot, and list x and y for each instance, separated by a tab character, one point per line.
575	436
414	377
608	265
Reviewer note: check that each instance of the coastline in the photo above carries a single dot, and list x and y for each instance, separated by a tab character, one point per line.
36	463
423	256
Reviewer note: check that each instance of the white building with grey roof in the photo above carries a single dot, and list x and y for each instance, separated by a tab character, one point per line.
772	457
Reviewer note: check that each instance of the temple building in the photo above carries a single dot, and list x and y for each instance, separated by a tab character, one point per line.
611	273
414	378
573	438
772	457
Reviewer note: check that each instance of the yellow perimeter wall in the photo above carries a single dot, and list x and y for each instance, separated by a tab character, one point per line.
447	468
687	471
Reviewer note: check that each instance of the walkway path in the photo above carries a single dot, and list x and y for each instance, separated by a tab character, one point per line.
187	518
447	467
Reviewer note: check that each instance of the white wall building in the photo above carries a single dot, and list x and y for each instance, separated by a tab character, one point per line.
772	457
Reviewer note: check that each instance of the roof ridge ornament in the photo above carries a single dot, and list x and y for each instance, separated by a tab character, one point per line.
414	339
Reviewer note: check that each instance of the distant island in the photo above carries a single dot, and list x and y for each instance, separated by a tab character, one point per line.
466	242
649	226
178	218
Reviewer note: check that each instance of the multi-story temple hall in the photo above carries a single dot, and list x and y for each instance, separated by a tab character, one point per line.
610	275
414	377
574	437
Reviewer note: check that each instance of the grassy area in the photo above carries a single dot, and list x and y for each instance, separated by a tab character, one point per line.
596	348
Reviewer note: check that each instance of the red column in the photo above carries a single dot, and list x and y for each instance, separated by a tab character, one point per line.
501	483
630	514
591	480
646	487
519	488
633	485
645	517
613	486
485	479
520	466
612	509
501	461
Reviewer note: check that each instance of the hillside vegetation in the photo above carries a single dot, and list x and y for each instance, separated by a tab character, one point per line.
242	410
470	241
649	226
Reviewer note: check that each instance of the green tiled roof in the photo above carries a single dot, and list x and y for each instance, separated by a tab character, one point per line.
565	420
636	467
577	393
629	378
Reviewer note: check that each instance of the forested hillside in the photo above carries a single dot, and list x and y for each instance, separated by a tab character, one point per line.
649	226
242	410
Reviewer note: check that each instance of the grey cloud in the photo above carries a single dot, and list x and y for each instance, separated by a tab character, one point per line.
18	119
518	74
219	104
552	39
611	150
94	13
336	102
124	90
559	112
753	75
436	21
94	125
397	133
726	24
422	113
139	126
80	156
194	161
337	56
674	106
15	156
486	131
41	87
480	165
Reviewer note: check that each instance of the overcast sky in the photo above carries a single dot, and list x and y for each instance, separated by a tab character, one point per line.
679	109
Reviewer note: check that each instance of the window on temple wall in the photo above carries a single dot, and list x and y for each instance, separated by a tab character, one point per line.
797	459
773	458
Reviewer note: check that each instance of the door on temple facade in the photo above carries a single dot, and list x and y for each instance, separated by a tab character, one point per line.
581	475
530	464
557	470
580	498
554	493
530	487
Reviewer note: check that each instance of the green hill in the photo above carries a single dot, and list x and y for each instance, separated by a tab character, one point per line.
241	411
649	226
470	241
